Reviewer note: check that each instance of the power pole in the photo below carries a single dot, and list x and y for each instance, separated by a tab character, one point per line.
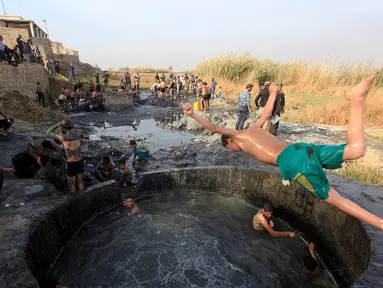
2	1
46	26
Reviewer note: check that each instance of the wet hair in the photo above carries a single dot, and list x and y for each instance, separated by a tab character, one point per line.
224	140
106	160
122	161
132	142
268	207
44	159
310	263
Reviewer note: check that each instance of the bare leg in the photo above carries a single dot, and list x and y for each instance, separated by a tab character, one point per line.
80	182
354	209
355	128
72	184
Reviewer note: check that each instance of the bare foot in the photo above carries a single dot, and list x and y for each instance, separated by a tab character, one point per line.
359	92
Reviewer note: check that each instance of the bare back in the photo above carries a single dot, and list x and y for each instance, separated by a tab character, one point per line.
260	144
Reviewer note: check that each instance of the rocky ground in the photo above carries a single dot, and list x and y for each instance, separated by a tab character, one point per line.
194	147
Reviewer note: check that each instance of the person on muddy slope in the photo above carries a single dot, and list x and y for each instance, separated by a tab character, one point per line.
261	221
304	162
71	142
105	170
141	153
131	204
5	124
123	174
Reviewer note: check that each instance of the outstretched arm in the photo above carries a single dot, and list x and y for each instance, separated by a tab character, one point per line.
273	232
267	112
188	110
54	127
312	251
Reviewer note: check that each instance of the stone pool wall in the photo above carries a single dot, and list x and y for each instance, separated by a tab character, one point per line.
343	241
38	222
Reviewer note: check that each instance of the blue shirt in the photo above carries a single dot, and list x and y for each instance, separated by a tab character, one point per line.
244	98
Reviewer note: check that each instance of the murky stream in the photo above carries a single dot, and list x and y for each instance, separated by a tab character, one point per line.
184	240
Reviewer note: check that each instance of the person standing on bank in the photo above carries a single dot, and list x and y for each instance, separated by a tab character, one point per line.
213	85
71	142
244	107
20	44
40	94
281	97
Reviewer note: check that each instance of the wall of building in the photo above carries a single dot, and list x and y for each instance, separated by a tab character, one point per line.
10	35
44	47
22	78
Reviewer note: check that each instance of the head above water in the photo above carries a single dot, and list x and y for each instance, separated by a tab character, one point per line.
310	263
130	203
268	210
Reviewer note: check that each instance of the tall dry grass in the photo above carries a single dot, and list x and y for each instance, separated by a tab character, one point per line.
330	77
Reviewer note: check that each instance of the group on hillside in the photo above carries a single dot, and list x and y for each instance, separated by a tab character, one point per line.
20	51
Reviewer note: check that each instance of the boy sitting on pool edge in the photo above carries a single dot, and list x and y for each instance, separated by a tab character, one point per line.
303	162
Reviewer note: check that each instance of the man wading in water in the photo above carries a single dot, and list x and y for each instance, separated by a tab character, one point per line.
71	142
303	162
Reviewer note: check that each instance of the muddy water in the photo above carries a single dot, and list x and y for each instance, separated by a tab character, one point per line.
151	133
184	240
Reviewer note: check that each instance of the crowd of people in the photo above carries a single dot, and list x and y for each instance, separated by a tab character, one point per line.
172	87
19	52
270	122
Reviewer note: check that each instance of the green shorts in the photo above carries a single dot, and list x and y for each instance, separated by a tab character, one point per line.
304	163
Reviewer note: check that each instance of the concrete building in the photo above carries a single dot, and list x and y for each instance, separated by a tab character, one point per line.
17	22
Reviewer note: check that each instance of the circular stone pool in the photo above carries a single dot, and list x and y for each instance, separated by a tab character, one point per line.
184	239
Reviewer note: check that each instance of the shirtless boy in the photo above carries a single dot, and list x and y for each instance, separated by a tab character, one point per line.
303	162
261	222
131	204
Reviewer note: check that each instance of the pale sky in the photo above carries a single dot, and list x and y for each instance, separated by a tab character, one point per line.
163	33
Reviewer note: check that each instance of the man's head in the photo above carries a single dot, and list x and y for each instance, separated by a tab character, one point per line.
310	263
249	87
129	203
106	160
267	83
212	79
133	144
228	142
1	38
280	84
20	36
38	83
121	164
267	210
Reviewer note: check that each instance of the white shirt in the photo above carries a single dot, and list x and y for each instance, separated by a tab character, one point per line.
2	46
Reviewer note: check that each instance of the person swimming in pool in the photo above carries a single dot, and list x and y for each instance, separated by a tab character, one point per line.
304	162
131	204
261	221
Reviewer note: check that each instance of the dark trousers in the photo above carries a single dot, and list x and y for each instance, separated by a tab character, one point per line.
40	98
243	113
